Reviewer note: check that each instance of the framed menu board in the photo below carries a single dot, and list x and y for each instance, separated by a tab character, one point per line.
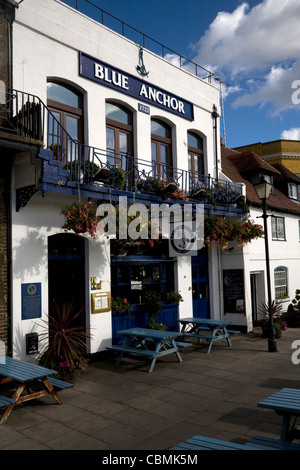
234	292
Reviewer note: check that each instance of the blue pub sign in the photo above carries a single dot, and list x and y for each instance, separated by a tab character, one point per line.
112	77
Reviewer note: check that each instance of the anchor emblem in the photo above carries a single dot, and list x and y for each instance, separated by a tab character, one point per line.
141	68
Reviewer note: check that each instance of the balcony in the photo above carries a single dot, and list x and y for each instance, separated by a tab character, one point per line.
73	168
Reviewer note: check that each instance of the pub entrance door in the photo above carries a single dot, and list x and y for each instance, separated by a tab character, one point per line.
66	273
200	286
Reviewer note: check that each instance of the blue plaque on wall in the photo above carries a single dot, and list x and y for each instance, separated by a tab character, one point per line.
31	301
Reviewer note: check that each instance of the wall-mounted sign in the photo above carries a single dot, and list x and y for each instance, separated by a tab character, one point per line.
31	300
112	77
234	296
101	302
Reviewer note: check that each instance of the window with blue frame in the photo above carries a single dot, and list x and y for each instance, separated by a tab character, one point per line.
130	278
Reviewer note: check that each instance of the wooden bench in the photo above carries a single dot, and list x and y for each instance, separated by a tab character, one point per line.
233	332
257	443
183	345
207	443
276	444
5	401
59	384
132	350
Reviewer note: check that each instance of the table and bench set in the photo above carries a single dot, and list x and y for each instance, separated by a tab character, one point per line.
285	403
22	376
153	344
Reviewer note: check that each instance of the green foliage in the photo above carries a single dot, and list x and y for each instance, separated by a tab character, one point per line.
152	304
173	297
278	319
120	305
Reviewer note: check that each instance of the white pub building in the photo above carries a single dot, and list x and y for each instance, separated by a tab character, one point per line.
93	116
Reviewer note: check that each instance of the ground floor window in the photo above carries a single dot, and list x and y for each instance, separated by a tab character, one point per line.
280	277
134	275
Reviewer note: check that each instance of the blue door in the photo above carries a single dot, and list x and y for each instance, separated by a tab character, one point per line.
200	286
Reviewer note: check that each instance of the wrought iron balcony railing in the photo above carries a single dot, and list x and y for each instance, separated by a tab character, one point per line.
26	115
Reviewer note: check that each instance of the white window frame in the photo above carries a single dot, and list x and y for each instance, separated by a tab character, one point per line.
278	233
281	282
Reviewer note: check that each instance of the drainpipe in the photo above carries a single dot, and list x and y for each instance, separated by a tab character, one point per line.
10	17
215	117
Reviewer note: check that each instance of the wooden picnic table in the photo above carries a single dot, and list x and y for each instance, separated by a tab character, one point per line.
206	328
149	343
29	377
286	403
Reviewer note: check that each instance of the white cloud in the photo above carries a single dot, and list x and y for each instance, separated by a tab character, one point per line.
259	45
274	89
291	134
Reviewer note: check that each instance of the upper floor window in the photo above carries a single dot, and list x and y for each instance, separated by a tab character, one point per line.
66	106
161	148
293	191
119	133
278	228
280	281
195	155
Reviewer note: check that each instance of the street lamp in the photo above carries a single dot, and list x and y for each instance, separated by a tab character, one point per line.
263	189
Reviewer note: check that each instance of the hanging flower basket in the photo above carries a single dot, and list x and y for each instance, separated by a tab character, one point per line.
221	230
81	218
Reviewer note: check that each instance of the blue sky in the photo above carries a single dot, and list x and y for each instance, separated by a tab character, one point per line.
253	46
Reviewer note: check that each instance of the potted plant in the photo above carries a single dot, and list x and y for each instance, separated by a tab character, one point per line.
66	342
173	297
293	312
81	218
152	306
278	319
117	178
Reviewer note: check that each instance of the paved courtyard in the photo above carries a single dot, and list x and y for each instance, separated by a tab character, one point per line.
125	408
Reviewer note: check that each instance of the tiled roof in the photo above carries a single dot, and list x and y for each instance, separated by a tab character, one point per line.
238	166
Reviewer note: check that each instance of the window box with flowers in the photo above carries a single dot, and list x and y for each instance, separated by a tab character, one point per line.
81	218
165	189
220	231
173	297
120	305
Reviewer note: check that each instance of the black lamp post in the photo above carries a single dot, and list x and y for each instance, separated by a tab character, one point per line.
263	189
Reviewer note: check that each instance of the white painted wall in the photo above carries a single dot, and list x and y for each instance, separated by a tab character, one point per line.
252	259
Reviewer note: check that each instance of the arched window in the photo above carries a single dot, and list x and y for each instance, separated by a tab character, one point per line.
161	147
119	133
280	282
195	155
66	105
